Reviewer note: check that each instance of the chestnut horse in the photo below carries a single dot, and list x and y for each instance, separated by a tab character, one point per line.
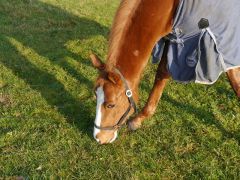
137	26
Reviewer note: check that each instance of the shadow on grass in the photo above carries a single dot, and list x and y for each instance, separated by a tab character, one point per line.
46	29
206	117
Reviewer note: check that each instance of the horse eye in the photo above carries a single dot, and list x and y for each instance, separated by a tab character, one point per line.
110	106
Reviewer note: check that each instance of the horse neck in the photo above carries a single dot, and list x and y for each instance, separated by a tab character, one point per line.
148	20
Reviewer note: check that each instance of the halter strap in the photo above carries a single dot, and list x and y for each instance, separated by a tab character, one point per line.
129	93
132	104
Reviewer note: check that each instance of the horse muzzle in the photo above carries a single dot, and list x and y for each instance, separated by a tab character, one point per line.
105	137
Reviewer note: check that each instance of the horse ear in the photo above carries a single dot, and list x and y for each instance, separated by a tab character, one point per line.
97	63
114	78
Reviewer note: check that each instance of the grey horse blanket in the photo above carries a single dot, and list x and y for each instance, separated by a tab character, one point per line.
204	42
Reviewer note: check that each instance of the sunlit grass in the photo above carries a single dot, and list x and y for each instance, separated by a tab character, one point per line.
47	105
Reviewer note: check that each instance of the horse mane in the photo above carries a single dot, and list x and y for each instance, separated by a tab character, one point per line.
121	23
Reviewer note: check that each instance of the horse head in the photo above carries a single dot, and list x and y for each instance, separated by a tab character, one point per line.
114	102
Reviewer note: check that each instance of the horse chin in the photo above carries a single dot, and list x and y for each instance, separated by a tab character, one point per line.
115	137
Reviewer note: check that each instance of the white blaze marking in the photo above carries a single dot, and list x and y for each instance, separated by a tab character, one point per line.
115	137
98	118
100	101
136	53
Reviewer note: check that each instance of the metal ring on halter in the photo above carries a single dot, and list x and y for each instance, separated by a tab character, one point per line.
129	93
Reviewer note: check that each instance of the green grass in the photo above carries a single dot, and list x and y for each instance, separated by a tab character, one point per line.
47	106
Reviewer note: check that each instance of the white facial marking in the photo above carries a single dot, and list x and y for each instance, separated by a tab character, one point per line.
115	136
100	101
98	118
136	53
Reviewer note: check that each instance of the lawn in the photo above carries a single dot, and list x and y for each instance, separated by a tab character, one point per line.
47	107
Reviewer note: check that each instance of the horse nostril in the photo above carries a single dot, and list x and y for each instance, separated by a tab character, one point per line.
100	141
96	138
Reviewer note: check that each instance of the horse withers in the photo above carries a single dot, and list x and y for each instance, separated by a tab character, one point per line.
137	27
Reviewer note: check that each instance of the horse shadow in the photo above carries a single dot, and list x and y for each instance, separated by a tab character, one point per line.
47	29
205	117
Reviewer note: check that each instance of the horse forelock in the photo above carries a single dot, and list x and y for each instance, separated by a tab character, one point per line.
121	23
